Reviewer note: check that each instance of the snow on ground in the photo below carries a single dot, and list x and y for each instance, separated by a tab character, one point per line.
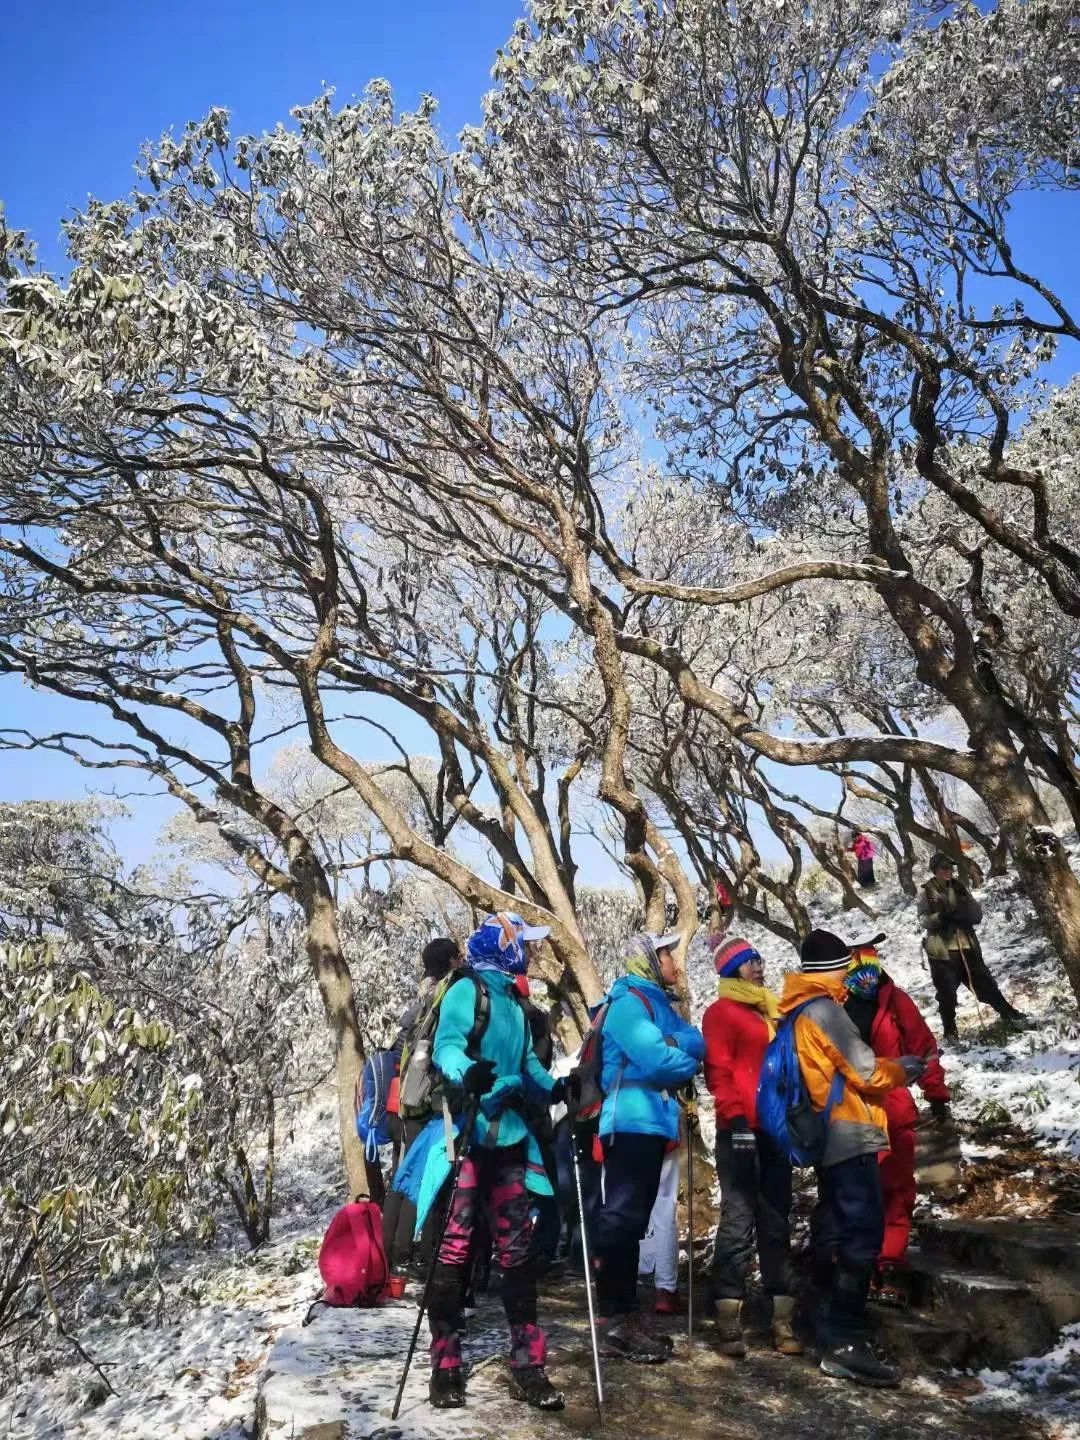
1045	1385
185	1360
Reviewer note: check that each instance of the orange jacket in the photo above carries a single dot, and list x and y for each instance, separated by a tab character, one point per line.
826	1041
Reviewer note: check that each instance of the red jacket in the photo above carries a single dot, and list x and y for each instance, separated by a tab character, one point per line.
736	1037
899	1029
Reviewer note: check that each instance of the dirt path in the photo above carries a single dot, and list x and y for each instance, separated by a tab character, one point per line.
765	1397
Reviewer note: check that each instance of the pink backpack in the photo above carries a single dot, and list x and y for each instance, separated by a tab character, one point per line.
352	1261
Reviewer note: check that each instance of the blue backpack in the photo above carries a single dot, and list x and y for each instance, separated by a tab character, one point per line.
372	1096
784	1110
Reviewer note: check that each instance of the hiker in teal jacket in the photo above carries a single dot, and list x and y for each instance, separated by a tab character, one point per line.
648	1052
502	1166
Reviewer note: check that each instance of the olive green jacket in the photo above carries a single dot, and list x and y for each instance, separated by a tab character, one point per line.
950	914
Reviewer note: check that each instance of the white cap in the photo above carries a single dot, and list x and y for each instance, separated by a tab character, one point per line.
666	942
534	932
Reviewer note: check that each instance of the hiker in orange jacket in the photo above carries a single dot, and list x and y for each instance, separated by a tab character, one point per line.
847	1225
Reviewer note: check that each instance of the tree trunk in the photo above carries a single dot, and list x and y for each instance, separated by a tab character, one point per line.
1037	853
336	988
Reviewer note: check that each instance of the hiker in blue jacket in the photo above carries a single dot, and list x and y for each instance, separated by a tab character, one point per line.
503	1166
648	1052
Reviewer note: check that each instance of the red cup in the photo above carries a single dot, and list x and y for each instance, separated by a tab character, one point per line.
395	1287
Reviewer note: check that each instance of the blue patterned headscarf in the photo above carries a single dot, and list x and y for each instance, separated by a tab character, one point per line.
499	944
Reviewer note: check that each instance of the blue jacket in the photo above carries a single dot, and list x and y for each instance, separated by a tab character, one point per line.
639	1070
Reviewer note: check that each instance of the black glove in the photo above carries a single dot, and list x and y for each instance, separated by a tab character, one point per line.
687	1094
939	1109
479	1077
913	1066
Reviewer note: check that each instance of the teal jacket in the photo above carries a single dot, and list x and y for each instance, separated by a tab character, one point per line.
506	1041
518	1074
640	1070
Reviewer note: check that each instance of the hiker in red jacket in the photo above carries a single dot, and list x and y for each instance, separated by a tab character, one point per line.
890	1022
753	1173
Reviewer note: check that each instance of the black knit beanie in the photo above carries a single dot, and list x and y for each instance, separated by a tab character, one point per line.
822	951
438	956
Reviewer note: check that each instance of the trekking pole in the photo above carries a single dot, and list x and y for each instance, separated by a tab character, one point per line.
971	983
455	1175
691	1126
587	1261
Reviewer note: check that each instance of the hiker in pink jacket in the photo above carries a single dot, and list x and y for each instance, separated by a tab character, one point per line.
865	851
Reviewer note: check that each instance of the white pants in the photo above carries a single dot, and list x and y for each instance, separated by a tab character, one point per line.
658	1254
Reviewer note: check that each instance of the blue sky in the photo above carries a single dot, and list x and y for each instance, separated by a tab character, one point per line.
85	85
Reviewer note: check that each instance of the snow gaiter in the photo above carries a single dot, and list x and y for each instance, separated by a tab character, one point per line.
446	1319
847	1307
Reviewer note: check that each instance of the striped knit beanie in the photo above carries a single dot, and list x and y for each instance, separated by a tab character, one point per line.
728	956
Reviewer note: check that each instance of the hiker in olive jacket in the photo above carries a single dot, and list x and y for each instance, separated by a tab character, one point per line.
950	913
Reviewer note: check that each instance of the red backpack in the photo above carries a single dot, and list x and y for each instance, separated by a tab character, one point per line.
352	1261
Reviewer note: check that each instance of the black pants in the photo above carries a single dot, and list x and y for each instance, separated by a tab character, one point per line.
632	1165
399	1212
965	969
867	878
755	1200
847	1229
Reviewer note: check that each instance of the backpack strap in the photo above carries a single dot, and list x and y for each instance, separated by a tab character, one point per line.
836	1088
644	1000
481	1016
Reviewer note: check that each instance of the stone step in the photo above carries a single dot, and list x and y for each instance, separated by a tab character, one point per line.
1044	1254
1005	1317
914	1339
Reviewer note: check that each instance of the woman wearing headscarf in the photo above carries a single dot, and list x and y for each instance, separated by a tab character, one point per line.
752	1171
647	1052
503	1166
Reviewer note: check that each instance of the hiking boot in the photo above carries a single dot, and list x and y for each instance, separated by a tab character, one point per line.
950	1040
666	1303
645	1323
784	1338
857	1361
729	1335
623	1337
1015	1020
533	1386
890	1287
447	1389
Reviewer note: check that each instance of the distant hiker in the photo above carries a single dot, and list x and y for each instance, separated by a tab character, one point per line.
847	1225
753	1173
890	1022
503	1167
950	913
658	1253
437	958
864	851
647	1052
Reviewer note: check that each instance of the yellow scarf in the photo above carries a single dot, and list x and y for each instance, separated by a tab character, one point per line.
758	997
